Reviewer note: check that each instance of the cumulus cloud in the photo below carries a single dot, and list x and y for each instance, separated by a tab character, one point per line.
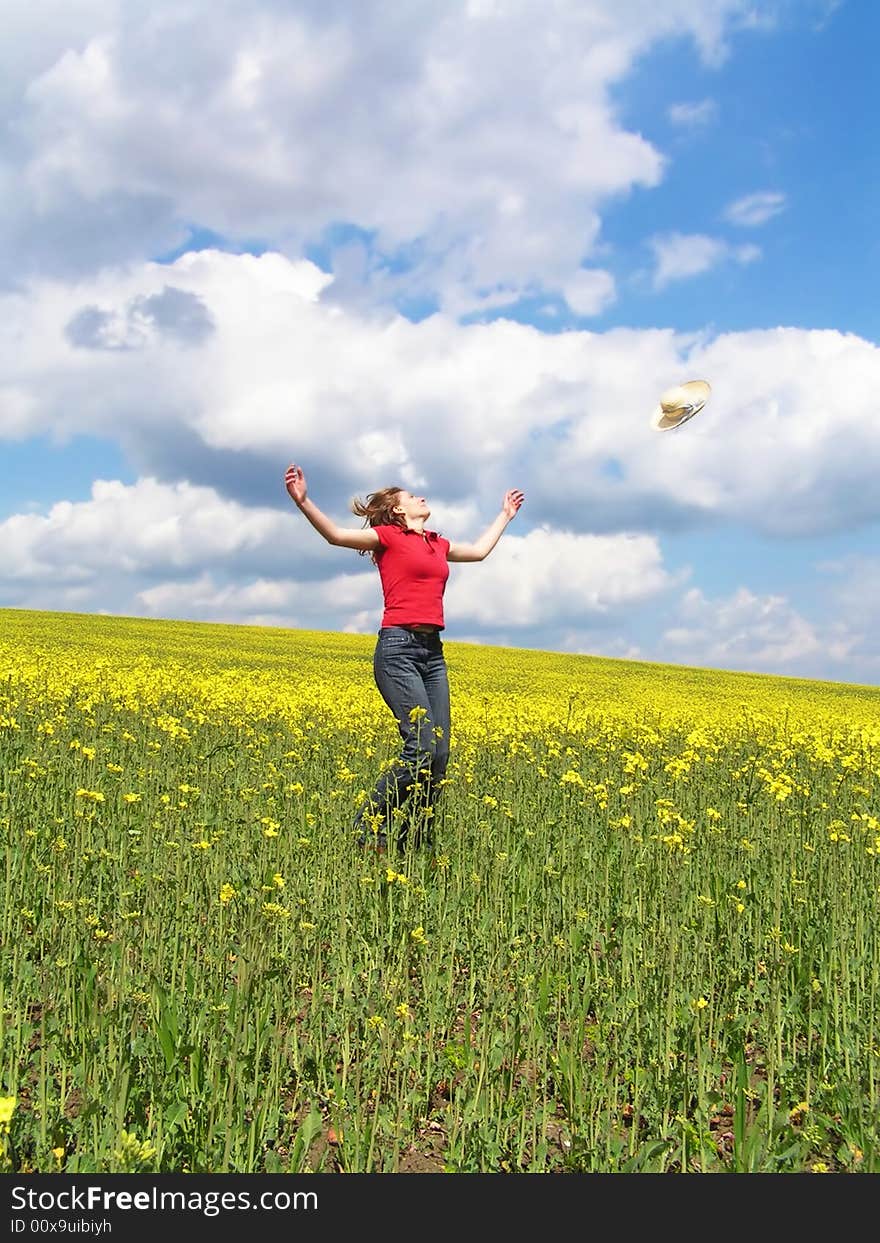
554	577
755	209
751	632
149	530
142	528
589	292
459	412
339	602
173	313
184	551
851	590
473	146
679	256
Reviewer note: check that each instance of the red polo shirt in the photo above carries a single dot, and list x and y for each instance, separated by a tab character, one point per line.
413	570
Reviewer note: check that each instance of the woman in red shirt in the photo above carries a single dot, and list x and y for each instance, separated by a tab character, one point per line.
408	662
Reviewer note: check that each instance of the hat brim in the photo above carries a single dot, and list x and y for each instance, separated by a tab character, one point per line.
665	420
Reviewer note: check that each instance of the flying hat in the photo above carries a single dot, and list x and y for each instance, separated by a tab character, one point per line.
679	404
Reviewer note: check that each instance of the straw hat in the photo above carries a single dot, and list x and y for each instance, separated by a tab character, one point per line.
679	404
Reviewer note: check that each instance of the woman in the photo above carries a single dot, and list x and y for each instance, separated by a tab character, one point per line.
408	662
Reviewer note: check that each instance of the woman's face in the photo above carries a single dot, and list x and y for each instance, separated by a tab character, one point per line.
411	506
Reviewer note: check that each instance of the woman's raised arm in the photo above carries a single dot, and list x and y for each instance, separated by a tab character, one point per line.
364	540
480	550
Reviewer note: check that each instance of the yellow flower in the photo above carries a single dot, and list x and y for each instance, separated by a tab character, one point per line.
93	796
798	1112
417	936
227	893
131	798
403	1011
132	1152
7	1109
273	910
375	1021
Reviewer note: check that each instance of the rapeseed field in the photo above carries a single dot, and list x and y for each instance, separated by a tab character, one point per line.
645	937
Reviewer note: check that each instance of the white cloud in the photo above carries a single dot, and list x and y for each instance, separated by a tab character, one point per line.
147	527
461	413
591	642
858	593
35	37
475	141
755	209
340	602
184	551
589	292
554	577
694	115
851	592
181	551
751	632
679	256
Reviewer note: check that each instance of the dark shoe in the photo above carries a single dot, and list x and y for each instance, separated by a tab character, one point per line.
373	841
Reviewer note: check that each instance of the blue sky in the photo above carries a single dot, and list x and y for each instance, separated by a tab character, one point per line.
461	250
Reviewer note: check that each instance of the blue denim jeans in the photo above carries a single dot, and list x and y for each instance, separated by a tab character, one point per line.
410	672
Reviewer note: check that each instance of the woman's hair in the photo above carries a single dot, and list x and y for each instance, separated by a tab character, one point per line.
378	509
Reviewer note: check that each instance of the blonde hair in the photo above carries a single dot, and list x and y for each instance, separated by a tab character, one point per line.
378	510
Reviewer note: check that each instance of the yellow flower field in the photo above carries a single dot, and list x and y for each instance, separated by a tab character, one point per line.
645	937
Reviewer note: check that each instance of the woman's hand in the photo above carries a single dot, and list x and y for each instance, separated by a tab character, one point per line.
295	482
511	503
